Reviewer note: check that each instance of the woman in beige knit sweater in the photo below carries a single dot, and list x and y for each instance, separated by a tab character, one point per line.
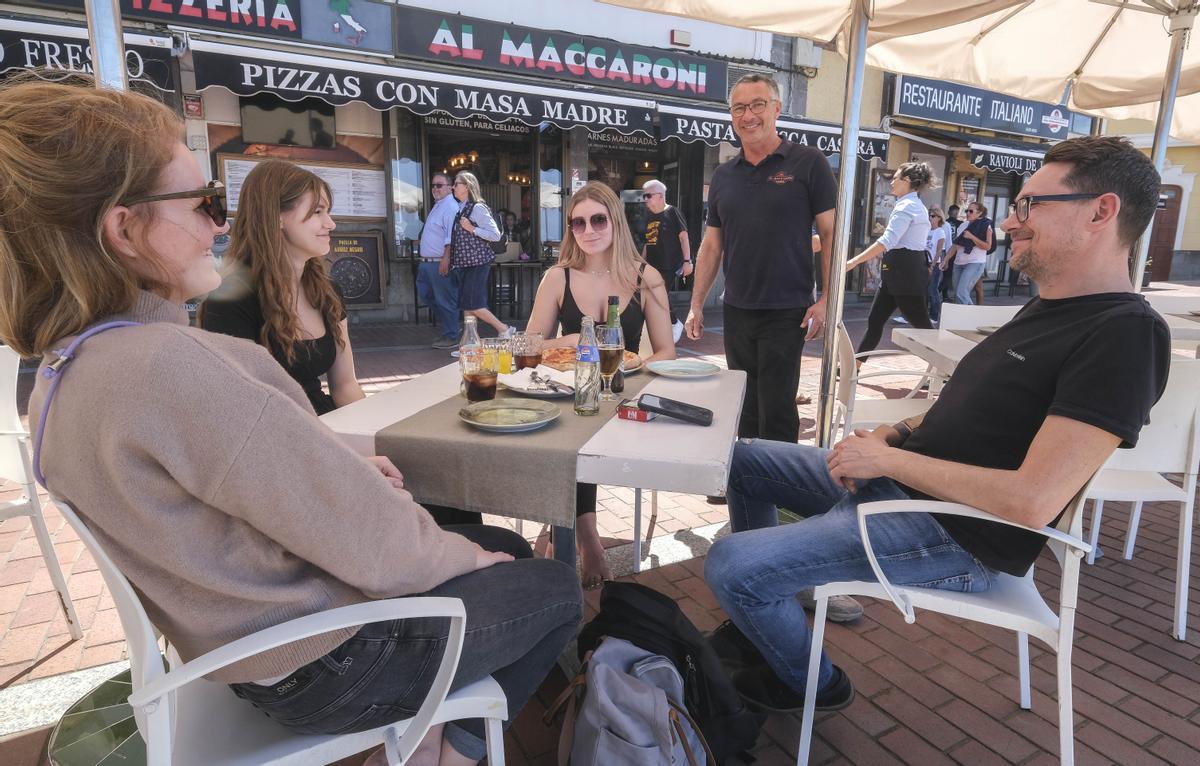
196	460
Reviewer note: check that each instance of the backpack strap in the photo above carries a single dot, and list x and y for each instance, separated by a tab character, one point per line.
53	372
570	698
678	711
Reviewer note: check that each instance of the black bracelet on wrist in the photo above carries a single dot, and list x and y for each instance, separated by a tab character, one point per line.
904	430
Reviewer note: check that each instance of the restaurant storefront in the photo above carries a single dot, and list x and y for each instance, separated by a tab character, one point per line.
983	144
378	99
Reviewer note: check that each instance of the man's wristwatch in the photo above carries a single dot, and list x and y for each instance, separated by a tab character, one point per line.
904	430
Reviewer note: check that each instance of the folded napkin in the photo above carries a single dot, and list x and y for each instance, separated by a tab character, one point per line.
521	380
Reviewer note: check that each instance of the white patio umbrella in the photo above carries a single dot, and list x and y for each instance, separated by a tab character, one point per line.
1116	58
852	23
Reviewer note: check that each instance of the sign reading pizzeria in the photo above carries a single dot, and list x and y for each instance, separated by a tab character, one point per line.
510	48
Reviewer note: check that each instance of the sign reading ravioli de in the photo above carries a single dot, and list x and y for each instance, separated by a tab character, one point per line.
1004	162
563	55
294	78
977	108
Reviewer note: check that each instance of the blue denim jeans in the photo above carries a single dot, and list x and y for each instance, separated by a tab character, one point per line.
520	616
439	292
965	277
935	294
757	572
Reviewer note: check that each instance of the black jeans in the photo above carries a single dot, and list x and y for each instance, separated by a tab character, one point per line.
912	307
520	615
767	344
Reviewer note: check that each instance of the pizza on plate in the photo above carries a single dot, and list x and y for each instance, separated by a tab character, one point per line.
564	359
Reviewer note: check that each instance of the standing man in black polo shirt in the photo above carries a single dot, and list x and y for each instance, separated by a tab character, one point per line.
761	209
1028	416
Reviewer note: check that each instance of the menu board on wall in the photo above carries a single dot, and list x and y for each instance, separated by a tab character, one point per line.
359	191
356	264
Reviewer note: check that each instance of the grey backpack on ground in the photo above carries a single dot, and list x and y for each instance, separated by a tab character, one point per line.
626	709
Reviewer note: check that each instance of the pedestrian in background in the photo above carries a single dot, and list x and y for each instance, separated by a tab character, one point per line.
940	236
667	248
469	261
434	288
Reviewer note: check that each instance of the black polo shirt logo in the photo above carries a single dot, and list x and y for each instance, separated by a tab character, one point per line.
781	178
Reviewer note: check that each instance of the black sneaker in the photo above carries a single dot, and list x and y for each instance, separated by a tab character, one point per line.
734	648
762	689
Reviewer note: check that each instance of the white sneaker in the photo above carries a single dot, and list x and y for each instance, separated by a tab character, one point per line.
677	330
899	320
454	353
508	332
841	608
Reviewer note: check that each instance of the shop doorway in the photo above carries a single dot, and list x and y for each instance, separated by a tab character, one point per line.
1162	235
501	157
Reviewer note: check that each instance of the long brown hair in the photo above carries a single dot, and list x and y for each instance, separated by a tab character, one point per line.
626	260
257	249
69	153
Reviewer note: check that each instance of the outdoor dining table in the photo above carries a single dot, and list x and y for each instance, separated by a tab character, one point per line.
528	475
943	349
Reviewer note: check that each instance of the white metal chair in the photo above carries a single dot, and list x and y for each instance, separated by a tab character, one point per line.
850	412
956	316
1173	303
1012	602
185	719
1169	443
15	466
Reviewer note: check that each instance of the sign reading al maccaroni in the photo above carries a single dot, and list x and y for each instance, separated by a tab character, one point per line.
474	42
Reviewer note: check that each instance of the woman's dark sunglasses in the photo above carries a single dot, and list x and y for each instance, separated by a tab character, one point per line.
599	222
212	200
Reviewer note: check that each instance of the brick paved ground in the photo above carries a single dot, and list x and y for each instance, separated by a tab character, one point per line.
935	692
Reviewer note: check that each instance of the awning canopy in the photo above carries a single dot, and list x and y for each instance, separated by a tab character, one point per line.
62	48
689	124
986	152
295	76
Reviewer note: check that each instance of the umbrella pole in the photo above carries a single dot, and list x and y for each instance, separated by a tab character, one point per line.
1181	29
855	65
108	44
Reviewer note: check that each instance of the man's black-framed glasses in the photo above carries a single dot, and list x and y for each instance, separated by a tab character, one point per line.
1022	205
757	106
439	185
212	200
648	195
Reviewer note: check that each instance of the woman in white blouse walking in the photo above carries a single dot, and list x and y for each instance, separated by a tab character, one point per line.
902	245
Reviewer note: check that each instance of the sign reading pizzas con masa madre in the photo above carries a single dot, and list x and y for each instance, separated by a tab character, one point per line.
412	90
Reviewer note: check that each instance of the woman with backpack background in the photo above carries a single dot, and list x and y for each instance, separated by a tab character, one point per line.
971	247
471	255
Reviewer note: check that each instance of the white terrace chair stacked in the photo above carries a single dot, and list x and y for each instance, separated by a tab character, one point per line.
15	466
1012	602
851	412
1169	443
185	719
1172	303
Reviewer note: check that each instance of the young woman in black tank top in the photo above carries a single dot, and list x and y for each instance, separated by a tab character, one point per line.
599	259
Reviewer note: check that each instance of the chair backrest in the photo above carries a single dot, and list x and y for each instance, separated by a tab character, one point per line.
1168	443
1172	303
145	659
956	316
13	458
847	375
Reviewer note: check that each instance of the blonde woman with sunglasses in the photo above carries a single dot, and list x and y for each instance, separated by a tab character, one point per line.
599	259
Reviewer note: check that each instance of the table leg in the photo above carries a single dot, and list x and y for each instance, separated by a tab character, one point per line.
564	545
637	531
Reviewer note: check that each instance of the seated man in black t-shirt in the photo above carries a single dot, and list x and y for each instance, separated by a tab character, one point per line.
1028	416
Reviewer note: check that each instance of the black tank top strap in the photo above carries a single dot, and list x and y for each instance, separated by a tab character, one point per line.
569	315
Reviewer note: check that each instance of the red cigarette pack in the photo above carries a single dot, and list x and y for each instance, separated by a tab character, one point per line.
628	410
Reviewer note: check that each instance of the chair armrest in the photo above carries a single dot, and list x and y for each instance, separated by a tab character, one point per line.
901	599
14	433
299	628
879	352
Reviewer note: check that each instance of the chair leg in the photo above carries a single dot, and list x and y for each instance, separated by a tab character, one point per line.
1094	537
637	531
1182	569
52	565
1135	518
810	687
1066	715
494	733
1023	670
